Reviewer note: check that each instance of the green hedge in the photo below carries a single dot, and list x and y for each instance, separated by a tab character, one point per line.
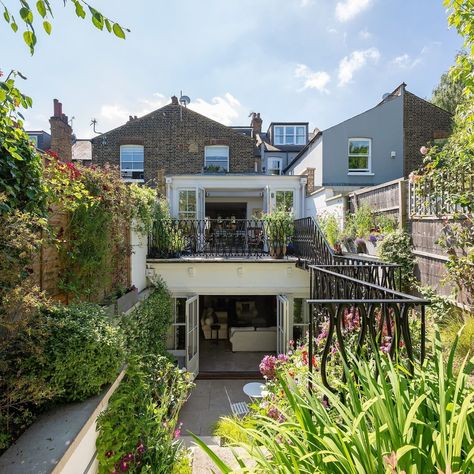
137	431
146	327
61	354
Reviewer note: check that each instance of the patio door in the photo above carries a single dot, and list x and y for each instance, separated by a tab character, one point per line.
192	335
283	324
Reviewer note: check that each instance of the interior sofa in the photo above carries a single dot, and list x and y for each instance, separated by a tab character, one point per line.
250	339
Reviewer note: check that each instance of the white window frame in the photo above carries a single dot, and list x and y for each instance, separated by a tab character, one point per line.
175	325
34	140
187	214
356	171
270	168
278	141
292	191
208	148
127	170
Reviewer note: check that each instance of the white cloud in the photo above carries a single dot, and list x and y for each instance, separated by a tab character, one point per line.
405	61
365	34
312	79
226	109
355	61
348	9
305	3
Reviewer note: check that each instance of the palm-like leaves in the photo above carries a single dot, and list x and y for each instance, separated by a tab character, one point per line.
391	422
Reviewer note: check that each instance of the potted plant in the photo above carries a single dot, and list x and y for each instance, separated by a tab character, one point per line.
279	228
214	169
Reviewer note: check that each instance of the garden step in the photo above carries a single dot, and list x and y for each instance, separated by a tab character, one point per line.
202	464
189	442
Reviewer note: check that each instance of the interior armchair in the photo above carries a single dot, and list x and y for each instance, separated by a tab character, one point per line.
210	317
246	311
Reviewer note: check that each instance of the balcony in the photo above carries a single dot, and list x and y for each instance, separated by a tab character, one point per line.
221	238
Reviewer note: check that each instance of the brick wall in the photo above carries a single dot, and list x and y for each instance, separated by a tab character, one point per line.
61	133
174	139
422	122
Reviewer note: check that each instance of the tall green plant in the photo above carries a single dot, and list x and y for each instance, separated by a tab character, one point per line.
360	222
330	226
385	420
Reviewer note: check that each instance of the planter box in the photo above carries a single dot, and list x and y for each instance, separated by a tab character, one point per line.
127	301
61	441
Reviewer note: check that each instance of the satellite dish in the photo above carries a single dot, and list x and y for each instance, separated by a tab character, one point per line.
185	100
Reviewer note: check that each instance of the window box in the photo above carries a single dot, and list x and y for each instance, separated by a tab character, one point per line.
214	169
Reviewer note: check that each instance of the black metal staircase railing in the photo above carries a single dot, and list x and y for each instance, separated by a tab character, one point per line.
354	303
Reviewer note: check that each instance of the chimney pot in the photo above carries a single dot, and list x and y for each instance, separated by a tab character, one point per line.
174	100
130	118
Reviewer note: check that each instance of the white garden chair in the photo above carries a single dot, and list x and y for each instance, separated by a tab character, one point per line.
237	408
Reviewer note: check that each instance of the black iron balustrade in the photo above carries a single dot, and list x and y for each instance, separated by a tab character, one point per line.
311	247
375	316
248	238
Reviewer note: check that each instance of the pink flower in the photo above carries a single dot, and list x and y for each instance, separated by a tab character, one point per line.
423	150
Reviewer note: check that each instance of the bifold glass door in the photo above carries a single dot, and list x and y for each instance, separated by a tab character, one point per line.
283	314
192	335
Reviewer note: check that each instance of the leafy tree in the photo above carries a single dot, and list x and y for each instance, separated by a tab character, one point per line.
20	164
30	16
448	94
449	172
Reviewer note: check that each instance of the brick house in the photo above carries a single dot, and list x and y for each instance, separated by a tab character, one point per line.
174	140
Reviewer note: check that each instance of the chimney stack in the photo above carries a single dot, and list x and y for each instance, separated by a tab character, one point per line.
256	124
61	133
174	100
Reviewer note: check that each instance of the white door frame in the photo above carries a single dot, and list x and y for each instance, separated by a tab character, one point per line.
192	335
283	323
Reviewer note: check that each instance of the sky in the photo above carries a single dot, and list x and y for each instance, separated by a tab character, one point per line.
320	61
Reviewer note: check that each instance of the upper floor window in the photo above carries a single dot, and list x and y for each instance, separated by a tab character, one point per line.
216	158
284	200
359	155
274	166
132	162
33	140
187	204
290	135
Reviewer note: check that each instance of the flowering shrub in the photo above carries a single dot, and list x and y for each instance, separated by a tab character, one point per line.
101	208
382	420
139	429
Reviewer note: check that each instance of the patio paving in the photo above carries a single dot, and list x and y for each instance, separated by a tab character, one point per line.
208	402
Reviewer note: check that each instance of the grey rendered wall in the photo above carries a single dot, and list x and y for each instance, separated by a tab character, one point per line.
384	125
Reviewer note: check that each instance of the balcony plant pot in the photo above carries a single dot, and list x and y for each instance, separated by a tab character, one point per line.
349	245
278	228
127	300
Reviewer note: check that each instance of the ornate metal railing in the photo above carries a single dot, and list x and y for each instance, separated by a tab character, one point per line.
311	247
249	238
346	312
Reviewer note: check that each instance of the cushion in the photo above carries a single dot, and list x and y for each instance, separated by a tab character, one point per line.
243	329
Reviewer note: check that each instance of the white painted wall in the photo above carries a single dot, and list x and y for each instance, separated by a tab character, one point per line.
138	260
325	201
234	183
232	277
313	158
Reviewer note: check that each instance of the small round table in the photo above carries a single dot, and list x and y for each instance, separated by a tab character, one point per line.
215	327
254	389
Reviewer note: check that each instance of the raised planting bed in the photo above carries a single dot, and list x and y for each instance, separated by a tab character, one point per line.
61	440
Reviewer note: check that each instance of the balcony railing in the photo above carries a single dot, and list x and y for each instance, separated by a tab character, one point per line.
247	238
